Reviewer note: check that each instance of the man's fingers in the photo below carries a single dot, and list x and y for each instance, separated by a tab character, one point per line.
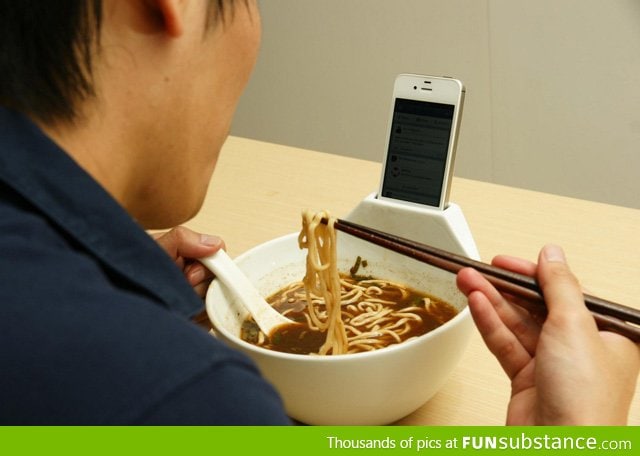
505	346
561	289
183	242
521	324
515	264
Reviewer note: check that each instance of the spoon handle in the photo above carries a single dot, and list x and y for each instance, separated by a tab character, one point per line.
230	275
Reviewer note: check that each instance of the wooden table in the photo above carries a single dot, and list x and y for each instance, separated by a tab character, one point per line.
259	189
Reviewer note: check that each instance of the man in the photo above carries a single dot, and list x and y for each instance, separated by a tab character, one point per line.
113	116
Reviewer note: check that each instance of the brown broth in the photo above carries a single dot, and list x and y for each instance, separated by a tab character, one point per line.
300	339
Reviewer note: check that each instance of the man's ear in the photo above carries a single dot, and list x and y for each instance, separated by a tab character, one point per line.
168	15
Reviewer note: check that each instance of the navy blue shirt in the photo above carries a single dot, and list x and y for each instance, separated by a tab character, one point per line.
94	316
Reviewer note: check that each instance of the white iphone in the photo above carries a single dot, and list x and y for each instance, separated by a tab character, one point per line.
421	140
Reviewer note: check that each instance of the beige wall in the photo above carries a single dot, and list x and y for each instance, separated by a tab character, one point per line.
553	86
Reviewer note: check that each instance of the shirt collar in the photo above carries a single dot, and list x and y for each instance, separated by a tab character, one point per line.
42	173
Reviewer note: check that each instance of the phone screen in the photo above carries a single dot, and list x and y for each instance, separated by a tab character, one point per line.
417	155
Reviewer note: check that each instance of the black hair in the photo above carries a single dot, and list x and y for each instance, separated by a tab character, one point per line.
45	54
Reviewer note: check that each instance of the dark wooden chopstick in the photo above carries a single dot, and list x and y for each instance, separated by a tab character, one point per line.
608	315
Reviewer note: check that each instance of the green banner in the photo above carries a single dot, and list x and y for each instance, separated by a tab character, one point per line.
321	440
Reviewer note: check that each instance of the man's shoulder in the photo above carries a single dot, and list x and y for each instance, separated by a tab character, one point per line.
78	348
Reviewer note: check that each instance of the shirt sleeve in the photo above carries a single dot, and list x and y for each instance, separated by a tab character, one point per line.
216	398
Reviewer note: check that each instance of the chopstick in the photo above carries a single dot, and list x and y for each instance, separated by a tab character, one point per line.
608	315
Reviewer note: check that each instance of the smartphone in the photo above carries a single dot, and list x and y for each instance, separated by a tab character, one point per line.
421	140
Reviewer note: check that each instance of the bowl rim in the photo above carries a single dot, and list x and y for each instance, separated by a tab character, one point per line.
460	317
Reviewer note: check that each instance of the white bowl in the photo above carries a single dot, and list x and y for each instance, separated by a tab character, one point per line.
370	388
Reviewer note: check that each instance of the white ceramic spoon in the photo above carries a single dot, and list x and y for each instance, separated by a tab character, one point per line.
234	279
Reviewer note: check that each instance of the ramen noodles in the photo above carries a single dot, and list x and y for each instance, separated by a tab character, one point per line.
344	313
